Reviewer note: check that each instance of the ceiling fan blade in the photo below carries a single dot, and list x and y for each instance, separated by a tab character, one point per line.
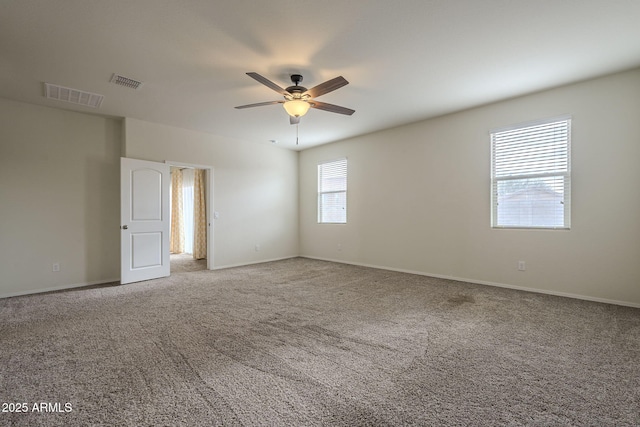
260	104
332	108
326	87
268	83
294	120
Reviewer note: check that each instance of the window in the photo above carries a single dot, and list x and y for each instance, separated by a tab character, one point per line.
531	176
332	192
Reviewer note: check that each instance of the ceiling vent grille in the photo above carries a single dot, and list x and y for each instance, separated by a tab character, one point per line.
74	96
125	81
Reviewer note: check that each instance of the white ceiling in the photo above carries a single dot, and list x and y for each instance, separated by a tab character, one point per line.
406	60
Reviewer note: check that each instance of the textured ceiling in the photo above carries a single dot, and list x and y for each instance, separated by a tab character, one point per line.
405	60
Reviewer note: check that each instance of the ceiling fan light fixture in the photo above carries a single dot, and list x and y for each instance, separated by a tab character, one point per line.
296	107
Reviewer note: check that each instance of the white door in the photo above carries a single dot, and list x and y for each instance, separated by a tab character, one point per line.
144	220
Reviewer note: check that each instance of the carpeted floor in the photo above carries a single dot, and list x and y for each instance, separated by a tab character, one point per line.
303	342
182	263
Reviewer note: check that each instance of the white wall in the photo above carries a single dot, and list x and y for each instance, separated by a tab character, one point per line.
59	198
255	188
60	194
418	197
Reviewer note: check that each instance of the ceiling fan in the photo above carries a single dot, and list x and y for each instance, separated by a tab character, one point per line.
298	99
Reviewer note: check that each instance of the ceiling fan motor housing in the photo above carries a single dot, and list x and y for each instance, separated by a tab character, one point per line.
296	89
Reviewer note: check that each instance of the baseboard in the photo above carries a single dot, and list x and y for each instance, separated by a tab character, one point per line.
58	288
242	264
482	282
101	282
400	270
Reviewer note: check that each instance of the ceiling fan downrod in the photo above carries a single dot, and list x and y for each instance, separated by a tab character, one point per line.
296	79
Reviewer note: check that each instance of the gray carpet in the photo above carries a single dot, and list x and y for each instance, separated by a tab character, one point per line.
304	342
181	263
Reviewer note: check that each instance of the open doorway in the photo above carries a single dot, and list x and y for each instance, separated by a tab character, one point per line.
189	214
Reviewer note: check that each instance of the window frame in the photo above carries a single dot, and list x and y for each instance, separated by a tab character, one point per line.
566	175
321	193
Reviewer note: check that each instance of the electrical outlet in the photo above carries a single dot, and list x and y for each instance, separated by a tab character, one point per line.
257	248
56	267
339	247
521	266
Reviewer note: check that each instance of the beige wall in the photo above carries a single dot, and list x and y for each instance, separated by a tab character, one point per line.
59	198
418	197
255	188
60	194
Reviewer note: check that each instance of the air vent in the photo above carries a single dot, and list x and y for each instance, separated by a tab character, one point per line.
125	81
74	96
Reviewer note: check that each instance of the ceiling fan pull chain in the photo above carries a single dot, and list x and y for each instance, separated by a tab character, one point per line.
297	126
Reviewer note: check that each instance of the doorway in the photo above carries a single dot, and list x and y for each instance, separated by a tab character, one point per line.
190	235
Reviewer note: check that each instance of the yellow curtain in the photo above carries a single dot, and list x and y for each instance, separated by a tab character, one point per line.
176	245
199	216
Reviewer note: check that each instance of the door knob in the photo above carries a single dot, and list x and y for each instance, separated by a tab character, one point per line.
124	227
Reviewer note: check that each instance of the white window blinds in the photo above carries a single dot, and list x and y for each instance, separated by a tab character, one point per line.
531	176
332	192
